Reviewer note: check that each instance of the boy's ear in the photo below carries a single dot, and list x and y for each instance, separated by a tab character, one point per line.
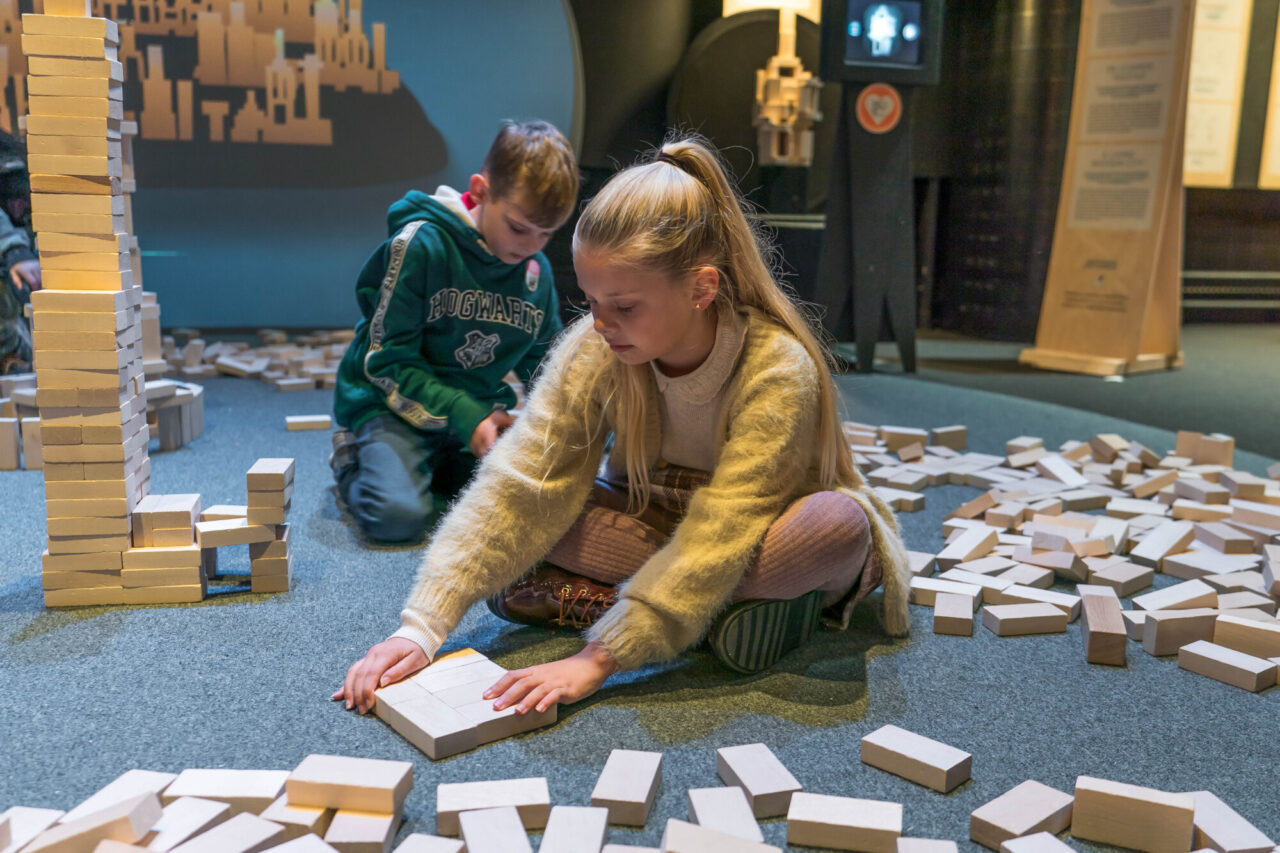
479	188
706	285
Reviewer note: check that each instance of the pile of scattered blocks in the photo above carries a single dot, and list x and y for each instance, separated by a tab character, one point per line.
308	361
1188	514
327	803
356	805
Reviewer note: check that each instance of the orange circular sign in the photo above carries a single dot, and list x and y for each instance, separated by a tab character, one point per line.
879	108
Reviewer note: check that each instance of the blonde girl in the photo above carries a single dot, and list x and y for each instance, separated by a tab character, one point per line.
728	506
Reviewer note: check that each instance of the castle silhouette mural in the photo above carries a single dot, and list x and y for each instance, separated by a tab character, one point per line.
252	93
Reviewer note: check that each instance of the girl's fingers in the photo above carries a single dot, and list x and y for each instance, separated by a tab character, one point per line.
502	684
550	699
533	697
514	693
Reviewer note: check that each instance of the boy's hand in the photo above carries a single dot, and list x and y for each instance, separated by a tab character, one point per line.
488	430
386	663
544	685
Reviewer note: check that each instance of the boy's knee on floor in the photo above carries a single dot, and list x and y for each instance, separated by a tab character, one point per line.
389	519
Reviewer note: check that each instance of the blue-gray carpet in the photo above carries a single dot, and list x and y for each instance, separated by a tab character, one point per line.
243	680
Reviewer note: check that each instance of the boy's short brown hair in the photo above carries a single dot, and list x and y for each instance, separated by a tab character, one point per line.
534	159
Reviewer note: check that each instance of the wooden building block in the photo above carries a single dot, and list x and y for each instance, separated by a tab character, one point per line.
1259	514
126	821
1067	603
953	614
421	843
223	512
1220	827
682	837
1166	631
354	784
1017	620
244	790
530	797
970	545
32	449
1034	576
1025	809
1065	564
362	832
1236	582
1246	600
1227	665
1055	467
295	423
987	565
922	564
1187	595
183	819
494	830
244	833
1132	816
1199	564
924	591
1040	842
233	531
572	829
270	473
974	508
926	845
1148	486
1224	538
304	844
1172	537
127	786
916	758
628	785
844	823
1102	625
762	777
25	823
1259	639
725	810
953	437
1124	577
9	444
427	723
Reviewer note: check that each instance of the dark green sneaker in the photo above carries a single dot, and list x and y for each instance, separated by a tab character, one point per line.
752	635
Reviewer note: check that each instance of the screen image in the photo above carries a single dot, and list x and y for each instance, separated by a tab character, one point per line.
883	33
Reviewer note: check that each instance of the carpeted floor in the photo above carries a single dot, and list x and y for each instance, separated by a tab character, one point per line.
1228	383
243	680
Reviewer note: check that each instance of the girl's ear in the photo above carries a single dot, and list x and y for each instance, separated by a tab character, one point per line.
706	284
479	188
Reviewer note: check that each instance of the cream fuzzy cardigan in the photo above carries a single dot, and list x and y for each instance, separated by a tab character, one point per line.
535	481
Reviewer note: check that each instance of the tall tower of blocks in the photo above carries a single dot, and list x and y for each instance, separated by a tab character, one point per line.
110	541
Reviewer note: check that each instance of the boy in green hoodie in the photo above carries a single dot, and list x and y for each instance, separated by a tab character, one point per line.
459	296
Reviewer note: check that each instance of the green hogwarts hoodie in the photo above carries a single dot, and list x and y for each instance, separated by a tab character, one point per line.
443	322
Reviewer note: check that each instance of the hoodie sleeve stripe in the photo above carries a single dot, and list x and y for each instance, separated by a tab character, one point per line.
412	411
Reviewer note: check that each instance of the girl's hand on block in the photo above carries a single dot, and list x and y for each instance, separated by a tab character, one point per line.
386	663
544	685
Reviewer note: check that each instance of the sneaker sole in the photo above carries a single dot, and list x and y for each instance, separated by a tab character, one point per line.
755	635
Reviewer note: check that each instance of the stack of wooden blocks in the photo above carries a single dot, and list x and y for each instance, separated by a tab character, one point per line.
1188	515
270	483
164	566
93	429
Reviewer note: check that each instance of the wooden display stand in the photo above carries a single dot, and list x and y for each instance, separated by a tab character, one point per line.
1112	301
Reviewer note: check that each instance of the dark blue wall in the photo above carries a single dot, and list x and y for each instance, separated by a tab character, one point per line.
273	257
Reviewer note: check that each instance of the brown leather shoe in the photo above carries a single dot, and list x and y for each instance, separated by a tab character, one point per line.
550	597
